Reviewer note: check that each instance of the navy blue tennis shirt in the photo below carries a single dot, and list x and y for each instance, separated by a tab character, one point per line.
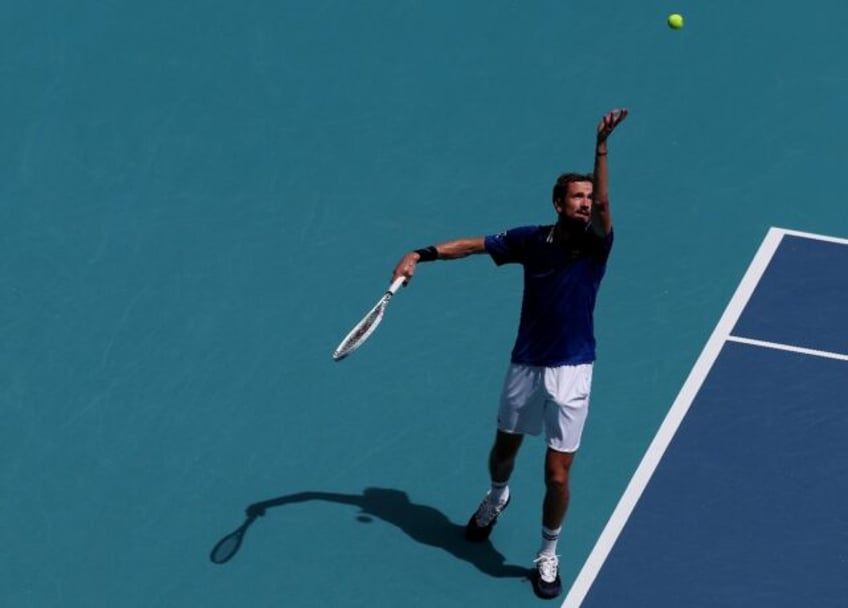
561	282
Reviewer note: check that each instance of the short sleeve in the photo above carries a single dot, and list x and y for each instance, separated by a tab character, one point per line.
508	247
602	245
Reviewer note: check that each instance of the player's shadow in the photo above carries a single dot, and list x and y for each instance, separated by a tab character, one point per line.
422	523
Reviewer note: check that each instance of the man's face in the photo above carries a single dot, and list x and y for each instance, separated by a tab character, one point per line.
577	205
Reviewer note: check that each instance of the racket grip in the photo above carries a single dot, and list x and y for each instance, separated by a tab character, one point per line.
396	285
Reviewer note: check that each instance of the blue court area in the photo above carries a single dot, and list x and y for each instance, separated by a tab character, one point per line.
747	506
198	200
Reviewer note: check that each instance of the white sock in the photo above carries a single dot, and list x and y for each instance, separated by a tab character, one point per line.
549	541
500	491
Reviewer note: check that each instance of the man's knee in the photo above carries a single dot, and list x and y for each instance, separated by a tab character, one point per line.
557	488
557	469
506	446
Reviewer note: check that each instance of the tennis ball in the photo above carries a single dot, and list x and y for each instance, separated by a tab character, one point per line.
675	21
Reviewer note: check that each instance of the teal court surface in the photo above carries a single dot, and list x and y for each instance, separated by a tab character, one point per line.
198	200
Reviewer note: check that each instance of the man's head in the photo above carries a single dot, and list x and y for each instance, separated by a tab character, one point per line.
572	197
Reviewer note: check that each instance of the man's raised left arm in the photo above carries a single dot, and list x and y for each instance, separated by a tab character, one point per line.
601	217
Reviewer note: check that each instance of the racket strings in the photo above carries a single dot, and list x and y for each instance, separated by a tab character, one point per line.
227	547
361	332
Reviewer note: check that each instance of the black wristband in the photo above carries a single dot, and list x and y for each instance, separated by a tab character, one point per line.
428	254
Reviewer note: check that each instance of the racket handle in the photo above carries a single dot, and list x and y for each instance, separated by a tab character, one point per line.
396	285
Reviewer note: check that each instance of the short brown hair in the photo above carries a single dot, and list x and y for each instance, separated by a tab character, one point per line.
561	186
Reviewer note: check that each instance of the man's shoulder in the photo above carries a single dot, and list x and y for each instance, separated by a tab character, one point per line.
598	244
592	236
528	231
515	244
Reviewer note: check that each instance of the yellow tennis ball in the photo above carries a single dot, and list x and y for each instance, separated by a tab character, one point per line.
675	21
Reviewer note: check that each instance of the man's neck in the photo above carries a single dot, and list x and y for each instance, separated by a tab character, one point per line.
565	230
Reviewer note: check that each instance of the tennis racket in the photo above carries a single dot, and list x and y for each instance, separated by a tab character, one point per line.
363	330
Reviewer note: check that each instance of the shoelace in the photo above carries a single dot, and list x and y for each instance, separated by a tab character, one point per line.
487	511
548	566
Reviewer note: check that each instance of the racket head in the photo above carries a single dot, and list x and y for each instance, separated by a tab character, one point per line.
363	330
227	547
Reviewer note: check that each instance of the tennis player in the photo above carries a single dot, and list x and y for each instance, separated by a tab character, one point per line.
549	377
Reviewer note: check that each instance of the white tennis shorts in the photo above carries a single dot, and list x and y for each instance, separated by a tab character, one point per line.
553	399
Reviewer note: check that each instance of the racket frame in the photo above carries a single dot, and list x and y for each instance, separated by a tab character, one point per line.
360	333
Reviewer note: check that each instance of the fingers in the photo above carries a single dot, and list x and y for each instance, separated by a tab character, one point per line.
616	117
405	268
396	275
610	121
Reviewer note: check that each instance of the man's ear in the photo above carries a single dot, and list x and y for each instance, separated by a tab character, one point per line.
558	205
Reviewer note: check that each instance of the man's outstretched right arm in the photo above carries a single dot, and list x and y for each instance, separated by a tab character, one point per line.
449	250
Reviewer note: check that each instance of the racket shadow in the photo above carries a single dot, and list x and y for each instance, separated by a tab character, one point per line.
422	523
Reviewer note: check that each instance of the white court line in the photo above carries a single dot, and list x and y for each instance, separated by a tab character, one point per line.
814	237
789	348
678	410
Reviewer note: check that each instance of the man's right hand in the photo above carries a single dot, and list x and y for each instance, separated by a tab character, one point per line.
406	267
